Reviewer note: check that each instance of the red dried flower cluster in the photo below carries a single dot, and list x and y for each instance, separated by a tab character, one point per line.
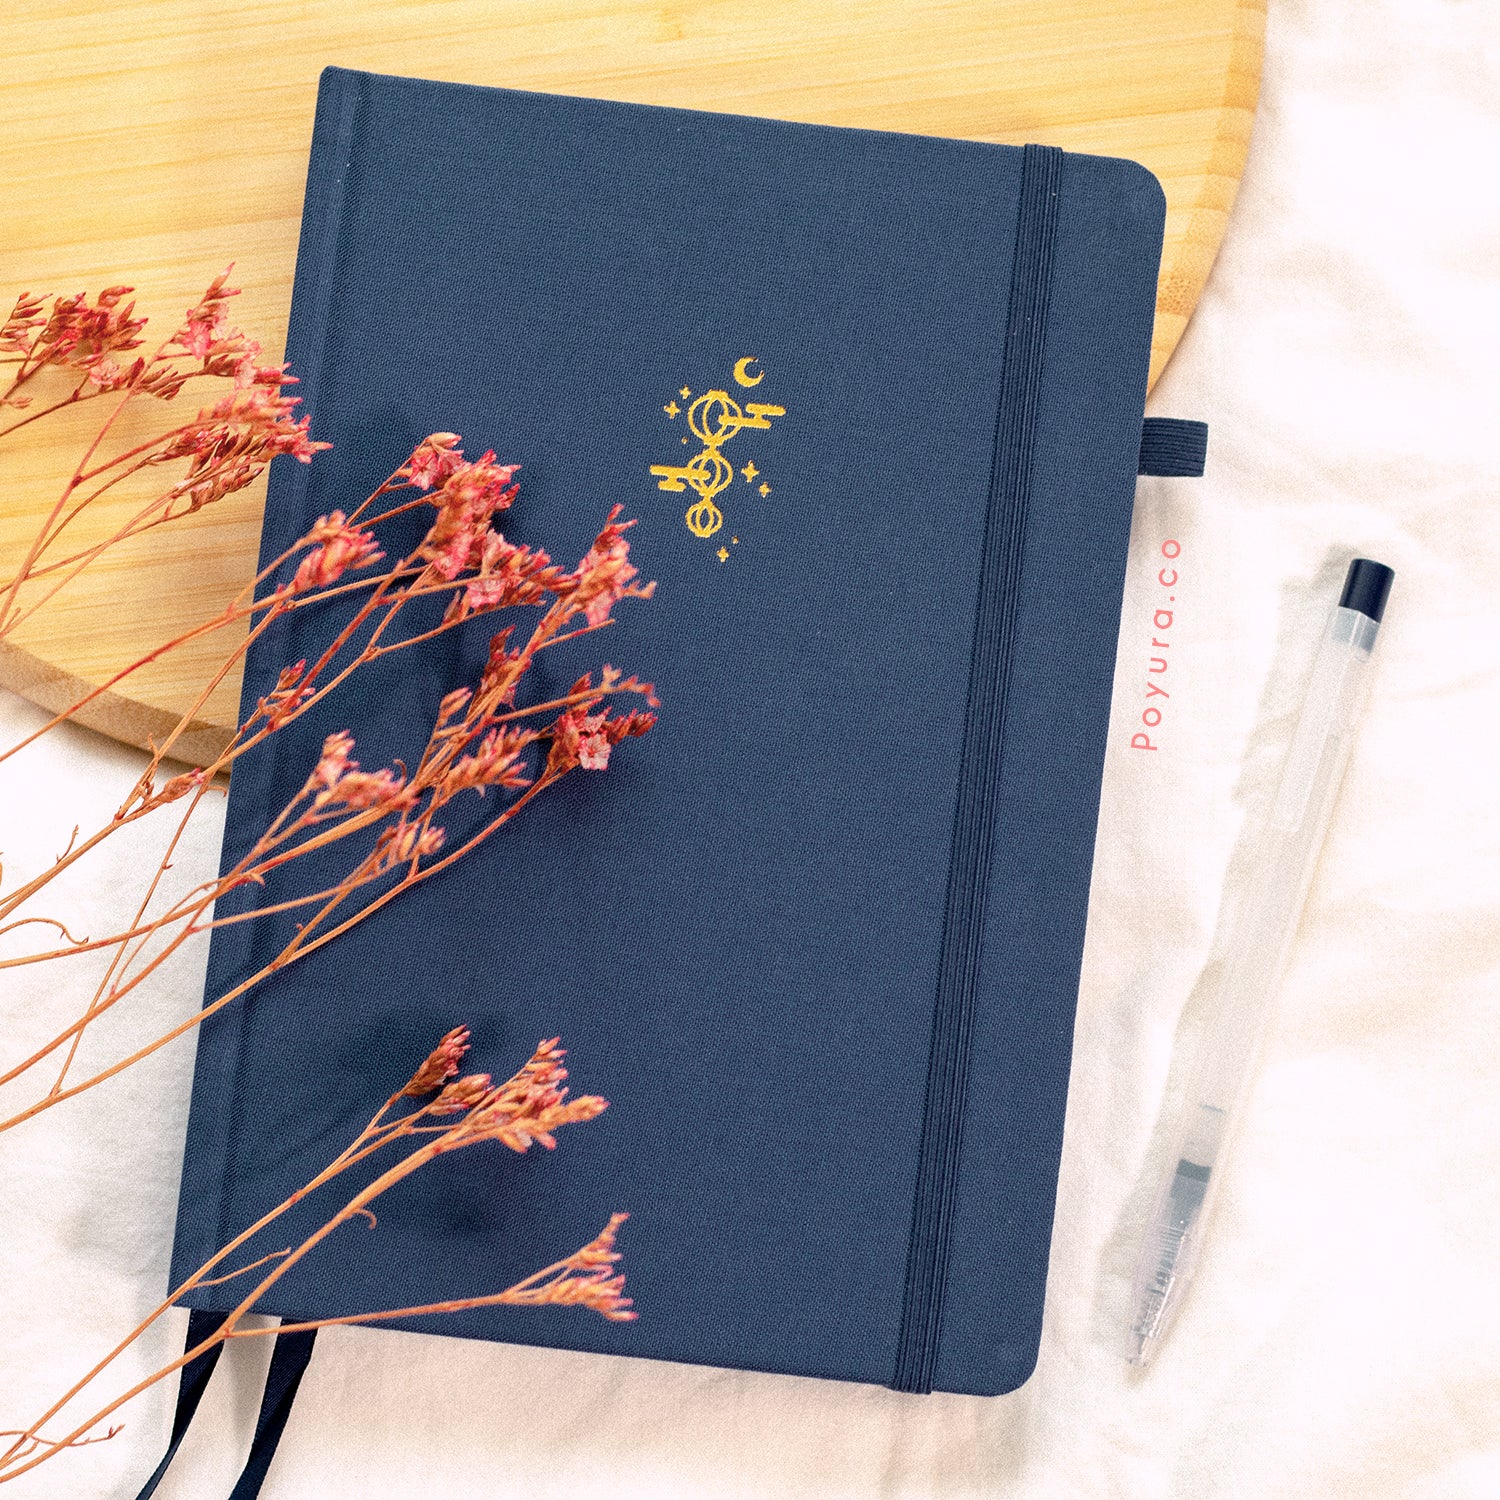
478	739
229	443
468	496
337	780
528	1107
606	575
599	1286
337	547
440	1065
496	761
76	334
580	738
226	445
85	336
280	705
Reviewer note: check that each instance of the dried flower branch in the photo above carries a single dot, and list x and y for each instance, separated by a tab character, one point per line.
381	822
225	446
480	738
459	1112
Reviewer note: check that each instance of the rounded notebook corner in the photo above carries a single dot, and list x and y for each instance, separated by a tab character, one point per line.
1147	183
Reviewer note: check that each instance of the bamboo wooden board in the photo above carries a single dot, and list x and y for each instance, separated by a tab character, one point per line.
154	143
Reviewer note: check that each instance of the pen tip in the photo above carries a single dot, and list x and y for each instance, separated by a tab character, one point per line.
1138	1349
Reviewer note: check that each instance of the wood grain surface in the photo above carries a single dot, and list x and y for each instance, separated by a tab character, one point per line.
152	143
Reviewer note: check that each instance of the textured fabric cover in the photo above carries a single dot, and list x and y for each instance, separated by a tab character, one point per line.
737	931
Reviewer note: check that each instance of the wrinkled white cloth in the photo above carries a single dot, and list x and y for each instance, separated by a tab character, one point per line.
1343	1339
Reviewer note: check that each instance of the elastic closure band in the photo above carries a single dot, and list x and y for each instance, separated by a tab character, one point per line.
1173	447
979	773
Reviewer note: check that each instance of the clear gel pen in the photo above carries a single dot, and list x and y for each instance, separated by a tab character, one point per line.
1280	875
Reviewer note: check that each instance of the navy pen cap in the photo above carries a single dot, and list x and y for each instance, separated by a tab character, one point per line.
1366	587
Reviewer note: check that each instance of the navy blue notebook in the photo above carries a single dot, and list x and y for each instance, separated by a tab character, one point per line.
816	937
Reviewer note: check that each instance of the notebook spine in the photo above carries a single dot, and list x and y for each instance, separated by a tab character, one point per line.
993	654
209	1157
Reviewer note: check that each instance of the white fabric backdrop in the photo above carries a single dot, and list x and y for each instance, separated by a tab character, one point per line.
1344	1338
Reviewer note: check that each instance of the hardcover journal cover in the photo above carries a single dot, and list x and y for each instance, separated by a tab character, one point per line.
817	936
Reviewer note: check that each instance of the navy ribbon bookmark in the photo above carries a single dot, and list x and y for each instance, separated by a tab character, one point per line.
289	1361
192	1384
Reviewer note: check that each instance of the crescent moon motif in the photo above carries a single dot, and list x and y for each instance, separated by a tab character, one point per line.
742	371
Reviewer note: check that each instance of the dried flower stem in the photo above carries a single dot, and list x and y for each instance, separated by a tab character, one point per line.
226	445
406	807
529	1107
480	738
477	741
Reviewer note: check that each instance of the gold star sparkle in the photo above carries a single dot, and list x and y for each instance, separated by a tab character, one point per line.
671	408
765	489
749	471
684	393
723	554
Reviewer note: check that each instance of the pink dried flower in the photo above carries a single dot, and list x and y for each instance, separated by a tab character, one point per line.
163	380
466	501
286	697
509	575
79	334
504	666
199	335
536	1126
597	1288
76	334
606	575
406	842
462	1094
106	374
337	780
335	759
338	548
601	1251
259	411
18	332
568	733
247	372
432	460
580	738
593	746
604	1294
586	1278
230	442
530	1106
495	762
441	1064
483	594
